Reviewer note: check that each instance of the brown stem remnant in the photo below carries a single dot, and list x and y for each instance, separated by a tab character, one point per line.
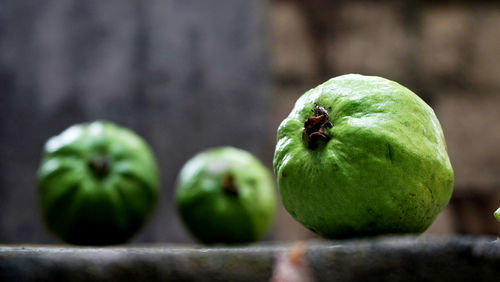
100	166
229	186
314	127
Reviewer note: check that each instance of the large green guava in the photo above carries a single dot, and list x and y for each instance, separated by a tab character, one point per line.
225	195
362	155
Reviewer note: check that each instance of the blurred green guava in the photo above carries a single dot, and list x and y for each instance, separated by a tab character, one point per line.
97	183
225	195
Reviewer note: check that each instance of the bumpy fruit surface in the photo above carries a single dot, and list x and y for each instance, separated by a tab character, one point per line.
362	155
225	195
98	183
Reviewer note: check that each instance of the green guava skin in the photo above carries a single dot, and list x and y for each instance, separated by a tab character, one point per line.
384	170
86	208
214	215
497	214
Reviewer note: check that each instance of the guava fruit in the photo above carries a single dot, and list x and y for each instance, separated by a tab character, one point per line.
225	195
497	214
97	183
360	156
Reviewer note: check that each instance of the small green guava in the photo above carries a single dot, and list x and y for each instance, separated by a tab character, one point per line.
362	155
497	214
225	195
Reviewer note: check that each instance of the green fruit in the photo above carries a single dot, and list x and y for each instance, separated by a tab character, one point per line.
98	183
362	155
497	214
225	195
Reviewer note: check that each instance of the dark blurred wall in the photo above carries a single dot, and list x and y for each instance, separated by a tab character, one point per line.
186	75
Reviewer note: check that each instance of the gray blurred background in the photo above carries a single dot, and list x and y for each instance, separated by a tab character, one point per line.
189	75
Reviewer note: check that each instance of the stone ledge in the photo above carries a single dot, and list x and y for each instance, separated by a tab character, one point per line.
376	259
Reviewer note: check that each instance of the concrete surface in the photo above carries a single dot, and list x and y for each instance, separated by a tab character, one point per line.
376	259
